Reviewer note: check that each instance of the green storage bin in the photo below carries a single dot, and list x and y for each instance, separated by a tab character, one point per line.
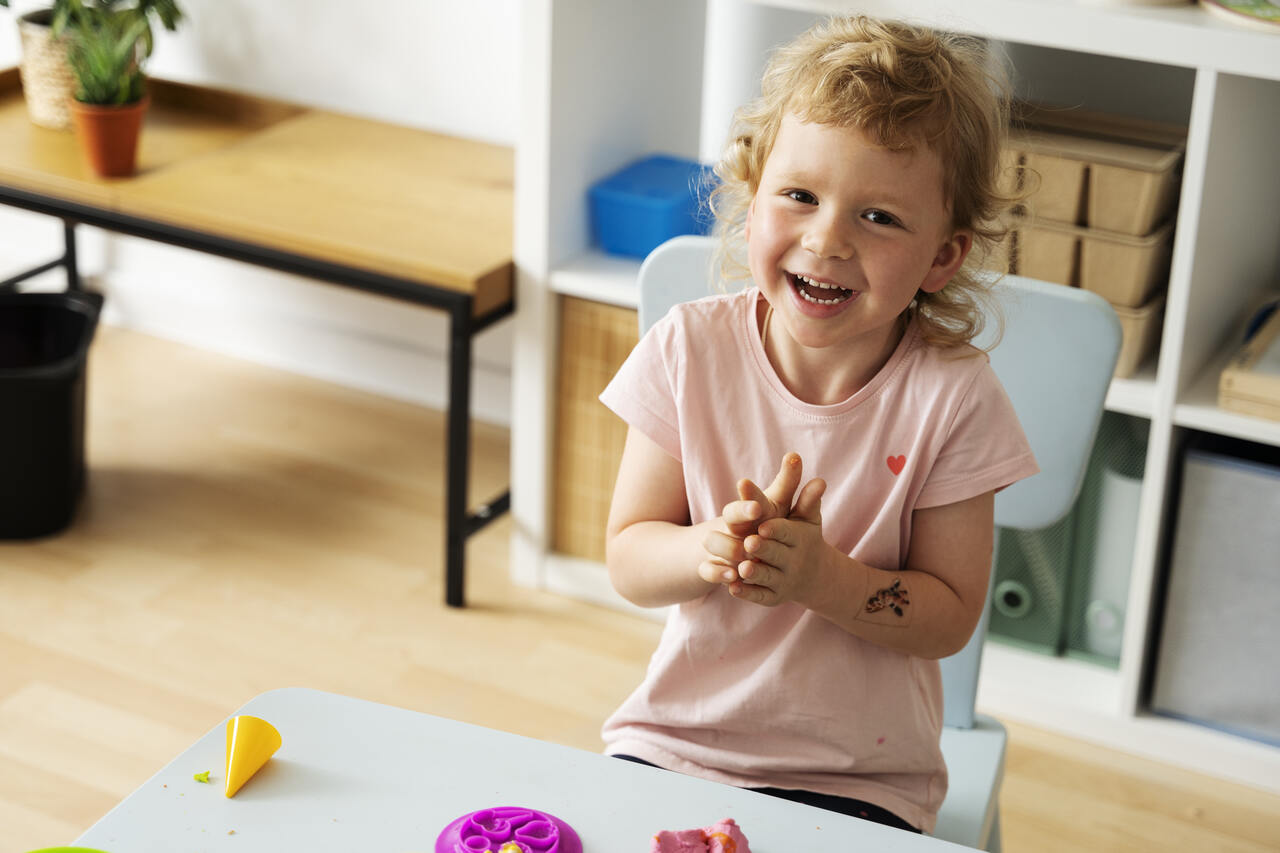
1064	589
1029	601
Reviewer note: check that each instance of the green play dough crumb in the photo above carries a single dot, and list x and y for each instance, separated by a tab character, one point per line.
202	777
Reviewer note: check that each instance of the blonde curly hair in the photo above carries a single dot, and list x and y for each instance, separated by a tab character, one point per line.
905	86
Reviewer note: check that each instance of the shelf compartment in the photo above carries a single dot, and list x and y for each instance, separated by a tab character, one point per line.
1186	35
599	277
1198	408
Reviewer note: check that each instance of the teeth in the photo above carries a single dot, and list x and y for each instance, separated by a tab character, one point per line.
823	285
844	293
807	298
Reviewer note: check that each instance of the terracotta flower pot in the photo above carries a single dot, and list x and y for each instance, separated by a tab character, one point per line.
109	135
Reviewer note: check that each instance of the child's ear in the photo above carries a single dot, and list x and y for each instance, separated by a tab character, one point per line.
946	263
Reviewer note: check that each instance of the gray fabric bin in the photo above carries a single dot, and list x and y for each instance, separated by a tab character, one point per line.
1217	657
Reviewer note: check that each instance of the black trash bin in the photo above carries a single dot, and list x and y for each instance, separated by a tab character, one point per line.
44	348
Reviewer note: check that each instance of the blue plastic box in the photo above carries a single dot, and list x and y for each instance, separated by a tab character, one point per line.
650	201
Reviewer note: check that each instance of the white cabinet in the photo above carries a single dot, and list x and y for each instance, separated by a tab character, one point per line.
607	81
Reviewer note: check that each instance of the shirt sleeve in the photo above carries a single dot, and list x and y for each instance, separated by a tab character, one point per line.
644	390
985	450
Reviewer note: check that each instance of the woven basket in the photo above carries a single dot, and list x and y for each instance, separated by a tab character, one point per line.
47	81
594	341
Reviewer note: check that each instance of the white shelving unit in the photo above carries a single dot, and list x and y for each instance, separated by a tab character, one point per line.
608	81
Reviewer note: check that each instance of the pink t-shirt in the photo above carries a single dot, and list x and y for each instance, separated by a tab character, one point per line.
780	697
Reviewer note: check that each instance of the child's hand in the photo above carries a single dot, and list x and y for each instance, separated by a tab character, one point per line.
785	556
743	517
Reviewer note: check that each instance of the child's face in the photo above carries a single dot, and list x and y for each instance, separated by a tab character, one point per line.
836	209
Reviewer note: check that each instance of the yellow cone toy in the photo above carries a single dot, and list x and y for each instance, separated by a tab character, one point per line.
250	742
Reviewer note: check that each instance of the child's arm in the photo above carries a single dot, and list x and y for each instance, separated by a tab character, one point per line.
655	556
928	610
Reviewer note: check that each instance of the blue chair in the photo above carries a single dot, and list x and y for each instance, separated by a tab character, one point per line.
1055	358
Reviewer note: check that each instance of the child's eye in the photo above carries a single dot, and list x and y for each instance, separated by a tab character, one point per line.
802	196
879	217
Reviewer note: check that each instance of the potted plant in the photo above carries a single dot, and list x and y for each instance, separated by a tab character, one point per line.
108	43
110	96
47	78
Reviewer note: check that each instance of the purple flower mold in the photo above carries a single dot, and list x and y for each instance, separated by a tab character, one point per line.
508	829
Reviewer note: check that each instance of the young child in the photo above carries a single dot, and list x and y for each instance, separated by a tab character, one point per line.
801	656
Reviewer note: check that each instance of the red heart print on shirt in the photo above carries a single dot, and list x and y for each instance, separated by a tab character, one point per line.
896	464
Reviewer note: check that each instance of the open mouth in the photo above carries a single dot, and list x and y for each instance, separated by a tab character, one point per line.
819	292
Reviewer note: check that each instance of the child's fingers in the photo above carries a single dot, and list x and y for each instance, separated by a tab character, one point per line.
748	491
783	488
809	503
714	571
768	549
757	573
755	594
745	511
722	546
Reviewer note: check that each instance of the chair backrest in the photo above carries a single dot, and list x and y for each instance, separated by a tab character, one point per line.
680	270
1055	359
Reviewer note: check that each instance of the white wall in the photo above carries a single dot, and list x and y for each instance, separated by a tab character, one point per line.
437	64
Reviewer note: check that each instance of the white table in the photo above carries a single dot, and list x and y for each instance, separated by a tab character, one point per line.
353	775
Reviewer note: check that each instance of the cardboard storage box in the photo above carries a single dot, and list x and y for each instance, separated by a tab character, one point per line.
1250	383
1140	334
1056	184
1135	191
1122	269
1110	173
1048	253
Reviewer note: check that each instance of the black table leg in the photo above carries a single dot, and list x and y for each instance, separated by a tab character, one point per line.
67	261
457	452
459	523
11	283
69	258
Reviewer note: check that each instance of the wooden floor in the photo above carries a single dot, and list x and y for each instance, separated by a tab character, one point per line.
246	529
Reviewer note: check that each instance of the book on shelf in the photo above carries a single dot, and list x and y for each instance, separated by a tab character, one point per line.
1250	383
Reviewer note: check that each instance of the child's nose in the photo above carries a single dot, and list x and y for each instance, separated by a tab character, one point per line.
828	237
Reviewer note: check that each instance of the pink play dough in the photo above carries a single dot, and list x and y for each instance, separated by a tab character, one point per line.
721	837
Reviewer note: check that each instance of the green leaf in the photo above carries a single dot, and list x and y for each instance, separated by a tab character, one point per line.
108	41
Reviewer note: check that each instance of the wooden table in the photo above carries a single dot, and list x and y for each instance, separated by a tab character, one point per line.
402	213
356	775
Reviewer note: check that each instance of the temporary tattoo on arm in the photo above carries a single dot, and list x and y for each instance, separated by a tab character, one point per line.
893	599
